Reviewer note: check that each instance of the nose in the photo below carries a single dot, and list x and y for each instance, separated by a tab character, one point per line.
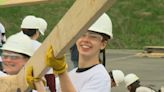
85	38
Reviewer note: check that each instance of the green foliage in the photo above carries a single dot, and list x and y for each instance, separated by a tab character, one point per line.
136	23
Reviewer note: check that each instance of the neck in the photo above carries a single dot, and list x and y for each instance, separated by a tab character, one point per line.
34	37
85	62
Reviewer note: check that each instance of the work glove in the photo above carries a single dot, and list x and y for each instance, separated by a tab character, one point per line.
58	64
30	79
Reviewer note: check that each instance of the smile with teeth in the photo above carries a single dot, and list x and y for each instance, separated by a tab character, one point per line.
85	46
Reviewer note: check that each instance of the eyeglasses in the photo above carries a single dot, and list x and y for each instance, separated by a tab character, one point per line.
11	56
93	36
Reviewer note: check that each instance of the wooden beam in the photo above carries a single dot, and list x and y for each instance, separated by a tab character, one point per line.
154	49
151	55
20	2
162	89
76	21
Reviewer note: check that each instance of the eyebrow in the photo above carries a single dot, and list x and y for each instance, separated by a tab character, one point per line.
11	54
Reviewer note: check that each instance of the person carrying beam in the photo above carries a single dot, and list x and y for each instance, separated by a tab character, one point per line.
34	27
91	75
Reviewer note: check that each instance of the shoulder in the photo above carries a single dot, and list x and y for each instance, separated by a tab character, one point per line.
144	89
36	42
2	74
96	72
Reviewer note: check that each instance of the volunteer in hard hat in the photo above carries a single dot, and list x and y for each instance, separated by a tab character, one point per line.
132	83
34	27
90	75
16	52
117	76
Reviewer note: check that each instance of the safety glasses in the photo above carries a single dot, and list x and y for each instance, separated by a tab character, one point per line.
92	36
12	56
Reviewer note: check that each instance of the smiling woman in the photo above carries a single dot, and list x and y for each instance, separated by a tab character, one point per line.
16	53
90	75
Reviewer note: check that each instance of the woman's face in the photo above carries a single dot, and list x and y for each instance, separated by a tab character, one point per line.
90	44
13	62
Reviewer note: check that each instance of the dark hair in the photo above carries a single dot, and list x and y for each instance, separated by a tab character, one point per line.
134	86
3	34
24	55
29	32
111	75
105	37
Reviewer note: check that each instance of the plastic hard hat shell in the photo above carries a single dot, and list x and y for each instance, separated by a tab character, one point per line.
19	43
118	76
103	25
144	89
2	28
30	22
130	78
42	25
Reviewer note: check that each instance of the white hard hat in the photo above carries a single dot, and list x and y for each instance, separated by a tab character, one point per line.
118	76
19	43
42	25
130	78
2	28
144	89
103	25
30	22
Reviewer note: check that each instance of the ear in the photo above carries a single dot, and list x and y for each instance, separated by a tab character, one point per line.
104	43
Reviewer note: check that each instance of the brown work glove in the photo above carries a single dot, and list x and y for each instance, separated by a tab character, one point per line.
58	64
30	79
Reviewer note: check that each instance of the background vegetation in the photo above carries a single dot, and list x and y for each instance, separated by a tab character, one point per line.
136	23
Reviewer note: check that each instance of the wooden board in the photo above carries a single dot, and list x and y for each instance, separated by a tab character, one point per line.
162	89
154	49
20	2
151	55
74	23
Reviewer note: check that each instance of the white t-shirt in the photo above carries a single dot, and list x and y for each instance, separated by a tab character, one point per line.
144	89
2	74
95	79
0	59
36	44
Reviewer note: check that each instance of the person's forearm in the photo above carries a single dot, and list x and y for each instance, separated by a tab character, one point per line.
66	84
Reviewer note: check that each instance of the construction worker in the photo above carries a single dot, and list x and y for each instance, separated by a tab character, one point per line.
91	75
117	76
132	83
33	27
15	53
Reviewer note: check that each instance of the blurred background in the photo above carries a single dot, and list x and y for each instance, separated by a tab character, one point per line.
136	23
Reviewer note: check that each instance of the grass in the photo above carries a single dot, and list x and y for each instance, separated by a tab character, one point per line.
136	23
